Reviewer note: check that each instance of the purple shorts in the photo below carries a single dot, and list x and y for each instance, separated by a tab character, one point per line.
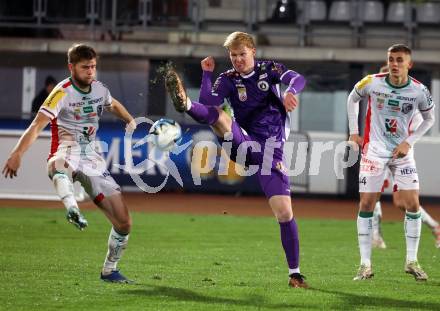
271	175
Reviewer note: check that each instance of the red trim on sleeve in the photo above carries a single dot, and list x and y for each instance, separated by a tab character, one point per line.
55	139
416	81
367	126
67	84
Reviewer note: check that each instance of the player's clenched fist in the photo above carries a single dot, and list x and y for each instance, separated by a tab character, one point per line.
290	101
208	64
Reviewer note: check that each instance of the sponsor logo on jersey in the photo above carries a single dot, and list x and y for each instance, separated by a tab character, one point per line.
391	125
77	114
95	101
262	76
406	98
408	171
384	95
393	102
79	104
88	109
263	85
54	98
393	105
380	103
407	107
369	167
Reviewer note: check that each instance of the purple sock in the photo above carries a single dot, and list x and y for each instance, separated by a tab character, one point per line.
203	114
290	241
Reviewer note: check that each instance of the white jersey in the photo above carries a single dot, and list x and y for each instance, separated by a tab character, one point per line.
75	114
391	112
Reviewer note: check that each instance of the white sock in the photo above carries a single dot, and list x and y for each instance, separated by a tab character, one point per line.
413	228
116	245
427	219
377	215
365	235
292	271
64	189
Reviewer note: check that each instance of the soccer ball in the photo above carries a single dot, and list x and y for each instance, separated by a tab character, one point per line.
165	134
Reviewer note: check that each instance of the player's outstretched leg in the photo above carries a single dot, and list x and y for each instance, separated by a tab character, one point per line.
64	188
378	240
176	90
200	113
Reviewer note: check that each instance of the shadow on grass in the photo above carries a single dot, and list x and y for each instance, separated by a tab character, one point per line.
350	301
180	294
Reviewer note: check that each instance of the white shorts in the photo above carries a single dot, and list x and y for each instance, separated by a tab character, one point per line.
372	173
89	170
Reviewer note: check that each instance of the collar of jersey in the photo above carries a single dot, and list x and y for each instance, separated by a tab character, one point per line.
77	88
387	80
250	74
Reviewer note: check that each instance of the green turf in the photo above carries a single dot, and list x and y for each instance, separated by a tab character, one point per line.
193	262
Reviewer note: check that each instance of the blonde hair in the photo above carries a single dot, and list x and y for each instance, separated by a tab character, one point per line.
238	38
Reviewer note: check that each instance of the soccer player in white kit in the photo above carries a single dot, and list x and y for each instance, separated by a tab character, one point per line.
393	100
74	108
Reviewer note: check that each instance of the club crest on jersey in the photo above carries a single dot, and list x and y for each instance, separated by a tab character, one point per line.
391	125
263	85
407	107
242	96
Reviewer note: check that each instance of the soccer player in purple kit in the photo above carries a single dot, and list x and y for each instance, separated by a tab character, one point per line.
261	122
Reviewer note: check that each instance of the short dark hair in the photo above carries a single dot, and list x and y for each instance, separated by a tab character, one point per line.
79	52
399	48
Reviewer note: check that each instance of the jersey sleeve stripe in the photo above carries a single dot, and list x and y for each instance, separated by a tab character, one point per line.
47	113
424	110
285	73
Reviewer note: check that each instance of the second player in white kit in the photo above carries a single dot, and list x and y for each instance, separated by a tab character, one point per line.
394	99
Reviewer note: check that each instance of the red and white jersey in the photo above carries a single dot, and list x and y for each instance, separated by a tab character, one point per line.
391	112
75	114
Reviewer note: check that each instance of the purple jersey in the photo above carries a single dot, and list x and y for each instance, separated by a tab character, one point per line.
256	97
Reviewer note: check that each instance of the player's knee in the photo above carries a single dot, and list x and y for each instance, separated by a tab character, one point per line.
58	165
124	226
284	214
223	124
367	205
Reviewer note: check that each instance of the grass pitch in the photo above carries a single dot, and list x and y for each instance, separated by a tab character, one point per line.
193	262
